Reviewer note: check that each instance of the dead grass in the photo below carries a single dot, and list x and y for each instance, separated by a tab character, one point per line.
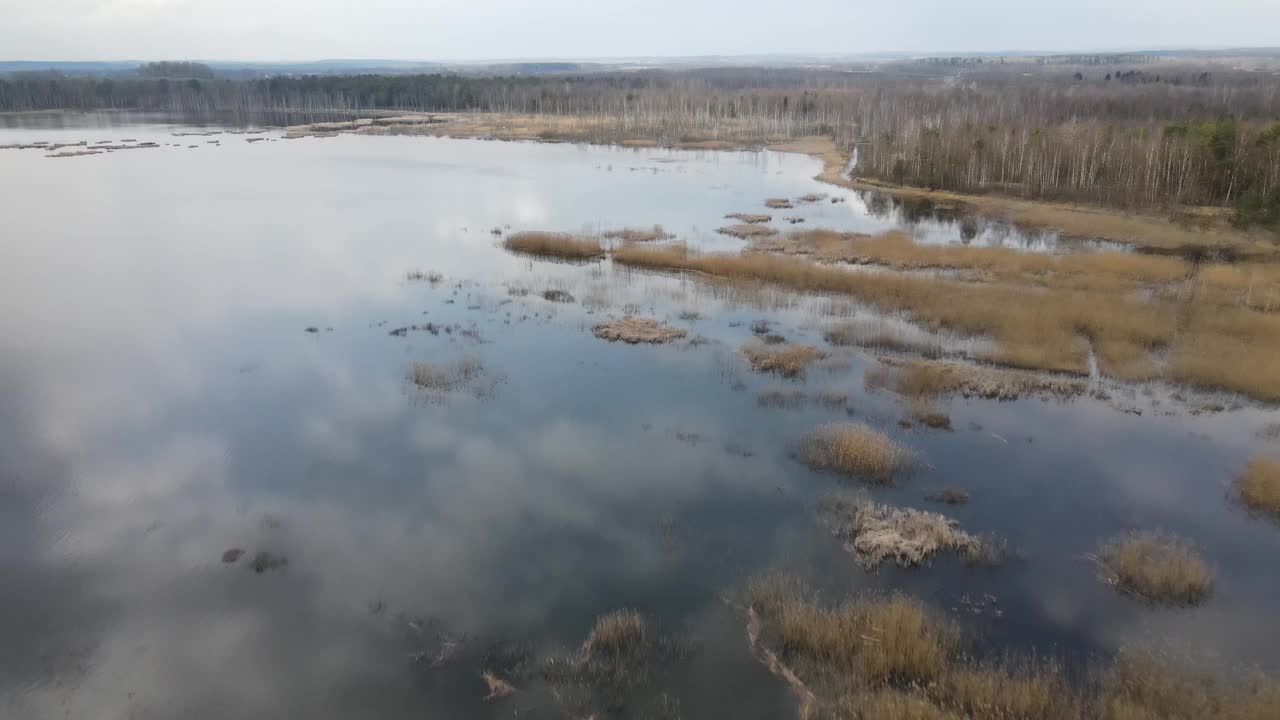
1259	486
554	245
619	633
1143	686
746	231
778	204
633	330
1158	567
749	218
639	234
786	360
856	451
1043	330
890	658
1027	690
875	533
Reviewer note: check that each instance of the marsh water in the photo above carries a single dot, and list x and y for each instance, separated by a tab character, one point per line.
202	353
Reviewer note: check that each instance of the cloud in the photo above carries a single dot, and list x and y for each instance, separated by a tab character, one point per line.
486	29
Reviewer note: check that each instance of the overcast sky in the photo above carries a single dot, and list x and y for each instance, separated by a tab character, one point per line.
491	29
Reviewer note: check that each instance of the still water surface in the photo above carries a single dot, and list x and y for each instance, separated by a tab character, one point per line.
161	403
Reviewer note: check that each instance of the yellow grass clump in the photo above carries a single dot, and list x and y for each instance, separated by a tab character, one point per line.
1158	567
881	641
1259	486
876	658
621	632
553	245
856	451
1209	346
786	360
633	330
1143	686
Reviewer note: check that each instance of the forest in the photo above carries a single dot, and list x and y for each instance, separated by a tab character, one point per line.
1134	133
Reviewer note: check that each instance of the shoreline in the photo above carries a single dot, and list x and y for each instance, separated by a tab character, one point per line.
1144	231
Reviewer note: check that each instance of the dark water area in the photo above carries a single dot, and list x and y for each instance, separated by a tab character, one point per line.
163	400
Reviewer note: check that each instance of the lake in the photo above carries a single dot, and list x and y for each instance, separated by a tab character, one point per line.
203	354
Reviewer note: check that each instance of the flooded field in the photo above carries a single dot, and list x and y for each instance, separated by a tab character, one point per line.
307	427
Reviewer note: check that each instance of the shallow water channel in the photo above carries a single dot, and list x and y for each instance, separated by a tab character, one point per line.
200	355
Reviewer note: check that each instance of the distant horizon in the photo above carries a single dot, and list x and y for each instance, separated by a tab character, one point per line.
614	59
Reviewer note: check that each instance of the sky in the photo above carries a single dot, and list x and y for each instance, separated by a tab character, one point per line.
459	30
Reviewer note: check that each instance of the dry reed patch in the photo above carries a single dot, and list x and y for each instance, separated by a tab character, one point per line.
873	642
778	204
786	360
639	234
633	330
1253	285
1124	360
1158	567
746	231
897	250
1143	686
1040	330
854	450
554	245
749	218
890	705
1235	354
619	633
1027	690
875	533
1259	486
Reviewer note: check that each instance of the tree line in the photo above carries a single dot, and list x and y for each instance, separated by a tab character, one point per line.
1200	136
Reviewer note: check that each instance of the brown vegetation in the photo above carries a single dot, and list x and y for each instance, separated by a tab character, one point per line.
1259	486
1209	346
786	360
553	245
621	632
875	533
778	203
891	658
633	330
856	451
1157	567
749	218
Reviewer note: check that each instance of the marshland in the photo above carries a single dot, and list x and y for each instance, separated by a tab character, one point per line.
563	416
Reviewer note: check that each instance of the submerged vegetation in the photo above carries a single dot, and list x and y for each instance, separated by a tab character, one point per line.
1158	567
856	451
